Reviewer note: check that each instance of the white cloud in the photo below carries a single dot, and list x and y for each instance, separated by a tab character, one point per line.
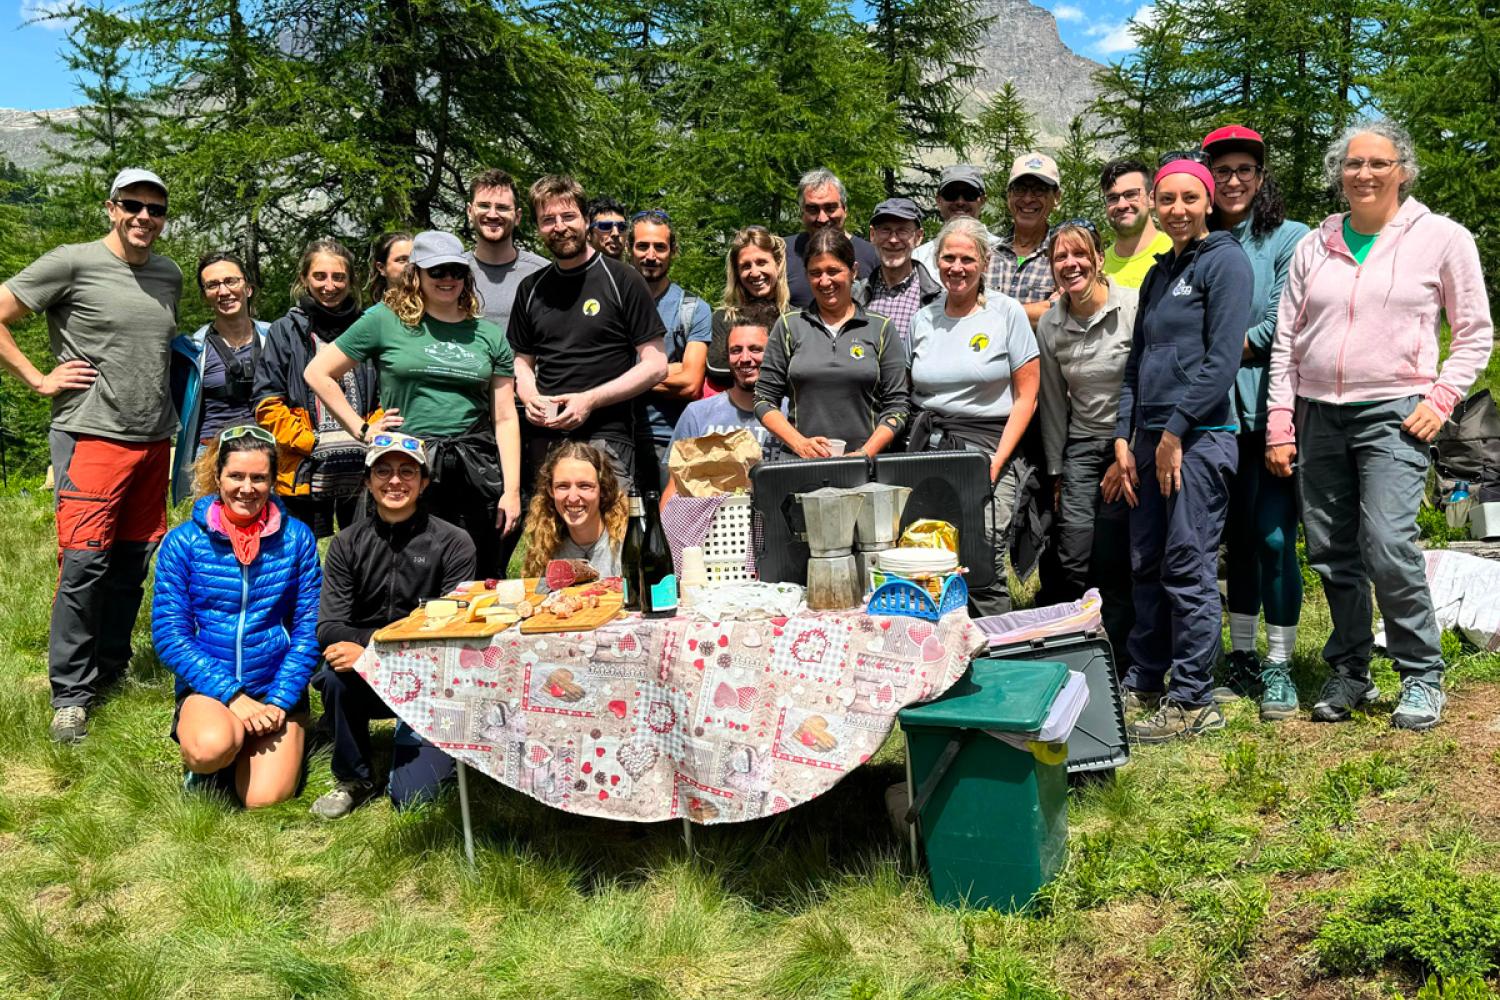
1115	39
41	12
1067	12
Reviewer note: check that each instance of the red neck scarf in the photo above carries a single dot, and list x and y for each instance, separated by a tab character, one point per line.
244	532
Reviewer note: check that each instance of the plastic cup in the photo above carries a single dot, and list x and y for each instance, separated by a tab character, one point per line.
836	446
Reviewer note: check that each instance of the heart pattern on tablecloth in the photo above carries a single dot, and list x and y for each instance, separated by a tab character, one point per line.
536	754
932	650
661	717
918	632
402	687
729	697
636	758
617	709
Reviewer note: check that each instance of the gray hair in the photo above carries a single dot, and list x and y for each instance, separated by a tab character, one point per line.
972	230
1406	152
821	177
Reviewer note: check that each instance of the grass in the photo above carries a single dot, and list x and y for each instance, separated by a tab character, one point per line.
1266	861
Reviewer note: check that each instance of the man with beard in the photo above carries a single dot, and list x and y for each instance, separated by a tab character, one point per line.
960	191
111	308
900	286
607	226
653	244
587	338
824	205
734	408
499	265
1126	186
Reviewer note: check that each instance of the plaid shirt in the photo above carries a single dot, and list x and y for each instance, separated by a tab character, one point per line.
898	304
1028	281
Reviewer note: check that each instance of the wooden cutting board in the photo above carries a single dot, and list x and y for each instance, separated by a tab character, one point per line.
585	620
410	629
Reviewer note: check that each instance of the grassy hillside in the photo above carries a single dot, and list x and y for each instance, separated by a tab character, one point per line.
1293	861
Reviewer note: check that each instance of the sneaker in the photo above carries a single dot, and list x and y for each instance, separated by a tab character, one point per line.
192	781
1238	676
1173	720
1278	695
1420	707
70	724
345	797
1341	696
1138	702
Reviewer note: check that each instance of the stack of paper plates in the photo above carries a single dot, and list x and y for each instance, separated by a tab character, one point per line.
917	562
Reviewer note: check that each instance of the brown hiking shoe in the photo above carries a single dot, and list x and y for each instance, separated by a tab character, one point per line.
1173	720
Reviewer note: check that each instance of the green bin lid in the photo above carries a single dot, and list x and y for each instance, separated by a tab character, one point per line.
1012	696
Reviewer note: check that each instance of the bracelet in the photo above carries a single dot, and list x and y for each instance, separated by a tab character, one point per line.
364	429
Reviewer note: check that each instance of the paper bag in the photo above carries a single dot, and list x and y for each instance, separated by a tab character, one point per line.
714	463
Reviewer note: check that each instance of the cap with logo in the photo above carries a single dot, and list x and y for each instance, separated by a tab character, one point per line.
897	208
1235	139
131	176
386	443
1038	165
961	173
435	247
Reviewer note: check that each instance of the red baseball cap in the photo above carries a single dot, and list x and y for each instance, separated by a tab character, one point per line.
1235	139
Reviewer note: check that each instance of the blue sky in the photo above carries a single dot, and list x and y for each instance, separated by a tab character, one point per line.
33	77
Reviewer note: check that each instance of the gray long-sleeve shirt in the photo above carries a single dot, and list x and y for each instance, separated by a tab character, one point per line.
1082	363
840	384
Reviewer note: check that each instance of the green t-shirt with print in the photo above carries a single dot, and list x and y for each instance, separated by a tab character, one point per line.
437	374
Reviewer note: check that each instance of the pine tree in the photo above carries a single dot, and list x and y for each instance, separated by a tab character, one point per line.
929	48
1078	165
1146	103
1007	128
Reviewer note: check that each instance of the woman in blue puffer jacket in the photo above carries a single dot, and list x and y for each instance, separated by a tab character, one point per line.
234	616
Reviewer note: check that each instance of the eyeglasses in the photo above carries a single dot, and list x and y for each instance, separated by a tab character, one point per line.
405	472
654	214
1115	197
133	207
1196	155
448	272
1377	168
231	284
608	226
1245	171
405	441
246	430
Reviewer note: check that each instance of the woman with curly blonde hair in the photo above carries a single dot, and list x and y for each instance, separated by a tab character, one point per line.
447	376
754	275
577	512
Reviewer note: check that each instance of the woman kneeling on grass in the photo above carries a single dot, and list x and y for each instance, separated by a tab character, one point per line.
234	616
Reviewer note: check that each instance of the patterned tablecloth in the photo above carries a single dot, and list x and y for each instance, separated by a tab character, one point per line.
651	720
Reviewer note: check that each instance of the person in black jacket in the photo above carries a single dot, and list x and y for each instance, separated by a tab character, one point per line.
376	572
1175	452
318	468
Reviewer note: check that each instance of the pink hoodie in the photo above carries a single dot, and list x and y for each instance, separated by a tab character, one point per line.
1352	333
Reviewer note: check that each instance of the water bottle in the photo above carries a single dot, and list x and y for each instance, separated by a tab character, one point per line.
1460	491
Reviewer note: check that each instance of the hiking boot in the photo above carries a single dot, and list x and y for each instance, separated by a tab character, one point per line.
1173	720
345	797
69	724
1138	702
1237	678
1420	707
1278	695
1341	696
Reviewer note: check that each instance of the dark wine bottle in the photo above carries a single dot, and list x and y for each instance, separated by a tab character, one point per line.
658	577
630	553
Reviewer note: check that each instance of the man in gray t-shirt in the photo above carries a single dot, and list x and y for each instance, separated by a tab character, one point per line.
498	264
111	309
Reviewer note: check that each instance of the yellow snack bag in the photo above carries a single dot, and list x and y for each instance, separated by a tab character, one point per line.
929	534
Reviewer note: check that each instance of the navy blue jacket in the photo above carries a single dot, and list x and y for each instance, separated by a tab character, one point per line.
1189	335
223	628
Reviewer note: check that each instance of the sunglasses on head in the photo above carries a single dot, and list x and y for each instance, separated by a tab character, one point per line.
654	214
246	430
132	206
608	226
406	441
448	272
1196	155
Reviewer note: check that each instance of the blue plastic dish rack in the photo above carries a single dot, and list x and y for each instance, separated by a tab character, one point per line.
903	597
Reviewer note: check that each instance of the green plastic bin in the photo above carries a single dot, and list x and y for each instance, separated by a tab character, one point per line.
994	819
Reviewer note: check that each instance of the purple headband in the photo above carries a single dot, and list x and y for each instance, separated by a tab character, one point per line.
1184	166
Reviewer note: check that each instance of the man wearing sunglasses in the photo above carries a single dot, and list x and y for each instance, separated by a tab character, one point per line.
607	227
377	571
960	191
111	309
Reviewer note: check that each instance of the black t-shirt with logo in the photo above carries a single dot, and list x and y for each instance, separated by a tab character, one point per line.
581	328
